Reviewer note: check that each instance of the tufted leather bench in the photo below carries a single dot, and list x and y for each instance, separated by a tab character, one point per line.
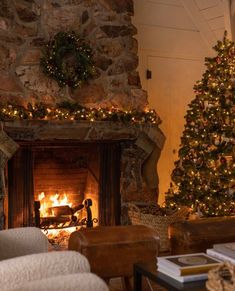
112	250
192	236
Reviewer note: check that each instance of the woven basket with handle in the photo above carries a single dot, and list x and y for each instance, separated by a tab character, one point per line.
160	223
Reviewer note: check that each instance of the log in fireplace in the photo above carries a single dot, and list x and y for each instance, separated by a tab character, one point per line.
64	216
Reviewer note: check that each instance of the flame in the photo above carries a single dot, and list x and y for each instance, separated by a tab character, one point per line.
41	196
54	200
57	201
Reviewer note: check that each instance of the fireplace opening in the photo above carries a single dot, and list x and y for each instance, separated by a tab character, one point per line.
69	184
63	179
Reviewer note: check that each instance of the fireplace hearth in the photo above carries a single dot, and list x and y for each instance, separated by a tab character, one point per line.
107	162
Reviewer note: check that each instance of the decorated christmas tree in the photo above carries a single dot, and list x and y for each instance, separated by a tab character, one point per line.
204	175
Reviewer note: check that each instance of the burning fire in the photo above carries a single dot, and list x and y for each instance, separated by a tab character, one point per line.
54	200
58	236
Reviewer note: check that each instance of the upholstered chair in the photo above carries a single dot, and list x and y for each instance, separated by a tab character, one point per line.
26	264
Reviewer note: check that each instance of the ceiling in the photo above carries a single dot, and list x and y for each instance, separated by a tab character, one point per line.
201	21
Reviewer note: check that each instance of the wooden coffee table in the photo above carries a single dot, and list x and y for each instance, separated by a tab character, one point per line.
163	280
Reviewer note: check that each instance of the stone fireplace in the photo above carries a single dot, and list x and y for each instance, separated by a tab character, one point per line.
110	162
104	161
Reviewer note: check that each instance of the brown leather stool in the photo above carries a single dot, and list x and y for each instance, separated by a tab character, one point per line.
113	250
194	236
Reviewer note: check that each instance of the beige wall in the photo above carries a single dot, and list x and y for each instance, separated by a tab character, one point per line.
174	37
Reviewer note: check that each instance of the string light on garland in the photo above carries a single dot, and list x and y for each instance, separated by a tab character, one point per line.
73	111
68	60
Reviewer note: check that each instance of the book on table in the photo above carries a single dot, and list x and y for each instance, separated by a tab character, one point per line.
183	279
227	249
214	253
185	268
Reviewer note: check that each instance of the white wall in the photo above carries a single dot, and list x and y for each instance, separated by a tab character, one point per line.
174	37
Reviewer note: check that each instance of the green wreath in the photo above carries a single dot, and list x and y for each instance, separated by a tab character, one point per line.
68	60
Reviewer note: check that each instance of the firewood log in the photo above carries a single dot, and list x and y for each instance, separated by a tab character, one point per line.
60	210
64	210
50	220
77	208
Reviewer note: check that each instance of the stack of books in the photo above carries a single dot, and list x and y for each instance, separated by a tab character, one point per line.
187	268
223	252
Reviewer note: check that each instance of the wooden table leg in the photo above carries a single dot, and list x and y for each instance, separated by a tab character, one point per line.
126	284
137	279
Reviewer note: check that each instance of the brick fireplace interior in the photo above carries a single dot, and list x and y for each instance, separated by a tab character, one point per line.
64	170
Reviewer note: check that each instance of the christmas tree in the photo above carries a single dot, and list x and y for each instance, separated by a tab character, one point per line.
204	175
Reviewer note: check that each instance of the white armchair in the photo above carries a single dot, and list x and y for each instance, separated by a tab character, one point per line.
26	265
16	242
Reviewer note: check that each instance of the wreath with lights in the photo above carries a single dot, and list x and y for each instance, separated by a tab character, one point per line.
67	58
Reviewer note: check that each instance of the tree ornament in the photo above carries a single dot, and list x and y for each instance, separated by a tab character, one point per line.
68	60
223	160
217	140
232	51
222	85
225	139
231	192
199	163
218	60
210	163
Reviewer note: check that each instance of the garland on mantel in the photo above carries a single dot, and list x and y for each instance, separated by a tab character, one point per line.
74	111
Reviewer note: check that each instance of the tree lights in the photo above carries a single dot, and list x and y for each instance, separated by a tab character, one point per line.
204	175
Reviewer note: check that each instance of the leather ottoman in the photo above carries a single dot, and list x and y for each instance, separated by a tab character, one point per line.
112	250
192	236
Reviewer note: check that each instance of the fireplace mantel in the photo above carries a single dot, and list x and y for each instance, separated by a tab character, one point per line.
84	131
147	138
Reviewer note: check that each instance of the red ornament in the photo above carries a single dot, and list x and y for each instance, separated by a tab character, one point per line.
223	160
218	60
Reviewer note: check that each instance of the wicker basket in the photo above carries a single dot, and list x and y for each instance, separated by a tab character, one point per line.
221	278
160	223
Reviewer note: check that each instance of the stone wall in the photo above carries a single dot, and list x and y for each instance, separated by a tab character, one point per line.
25	25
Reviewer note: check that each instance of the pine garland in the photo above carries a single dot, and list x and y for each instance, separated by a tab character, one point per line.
73	111
68	60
